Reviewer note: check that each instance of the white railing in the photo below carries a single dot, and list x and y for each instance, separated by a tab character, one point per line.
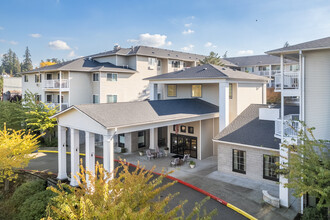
290	126
55	84
290	79
53	104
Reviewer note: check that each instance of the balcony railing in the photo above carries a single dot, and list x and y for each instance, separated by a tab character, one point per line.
290	126
53	104
55	84
290	80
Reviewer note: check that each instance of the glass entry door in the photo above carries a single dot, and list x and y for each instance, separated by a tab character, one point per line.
181	144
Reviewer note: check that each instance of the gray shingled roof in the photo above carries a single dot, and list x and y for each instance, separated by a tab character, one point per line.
153	52
208	71
134	113
82	65
257	60
248	129
315	44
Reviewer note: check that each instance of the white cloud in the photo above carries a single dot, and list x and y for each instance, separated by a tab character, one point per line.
35	35
245	52
13	42
190	47
1	28
72	54
2	41
59	45
191	17
209	44
189	31
188	25
153	40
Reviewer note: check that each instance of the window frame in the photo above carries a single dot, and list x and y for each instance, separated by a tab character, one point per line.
94	78
264	166
51	98
26	78
37	97
49	74
112	97
98	99
120	144
183	129
233	161
37	78
176	63
176	90
230	91
112	78
190	130
193	90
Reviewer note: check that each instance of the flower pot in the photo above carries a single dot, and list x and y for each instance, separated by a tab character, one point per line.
140	153
166	152
192	166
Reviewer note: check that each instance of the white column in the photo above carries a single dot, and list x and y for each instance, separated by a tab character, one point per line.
264	93
270	75
223	105
61	137
108	153
90	152
153	91
153	138
60	94
74	156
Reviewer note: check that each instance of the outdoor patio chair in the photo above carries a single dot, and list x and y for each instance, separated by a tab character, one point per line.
159	153
186	158
149	154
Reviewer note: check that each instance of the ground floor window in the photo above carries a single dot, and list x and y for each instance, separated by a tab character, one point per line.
111	98
239	161
121	140
270	167
181	145
142	139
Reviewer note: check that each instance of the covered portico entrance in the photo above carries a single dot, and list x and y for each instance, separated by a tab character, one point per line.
130	119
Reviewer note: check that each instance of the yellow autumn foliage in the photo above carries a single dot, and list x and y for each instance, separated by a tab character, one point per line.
15	151
46	63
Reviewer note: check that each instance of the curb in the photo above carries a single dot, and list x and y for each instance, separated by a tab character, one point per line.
221	201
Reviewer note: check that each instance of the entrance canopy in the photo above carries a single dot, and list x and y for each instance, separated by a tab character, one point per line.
126	117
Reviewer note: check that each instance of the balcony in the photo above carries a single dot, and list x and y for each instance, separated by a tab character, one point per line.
290	80
63	105
56	84
291	126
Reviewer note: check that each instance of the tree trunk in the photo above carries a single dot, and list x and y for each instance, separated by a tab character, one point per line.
7	184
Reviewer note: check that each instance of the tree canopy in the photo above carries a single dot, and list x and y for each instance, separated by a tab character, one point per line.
27	62
213	58
10	63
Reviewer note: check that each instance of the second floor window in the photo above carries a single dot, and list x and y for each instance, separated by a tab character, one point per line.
239	161
171	90
151	62
37	78
111	98
96	99
112	76
26	78
175	64
196	91
49	98
37	98
95	77
49	76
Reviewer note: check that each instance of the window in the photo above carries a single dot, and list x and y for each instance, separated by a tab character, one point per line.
196	91
269	167
37	78
294	68
175	64
96	99
58	99
49	76
26	78
49	98
151	62
141	139
111	98
263	68
95	77
159	63
121	140
171	90
111	76
37	98
239	161
190	130
183	128
230	90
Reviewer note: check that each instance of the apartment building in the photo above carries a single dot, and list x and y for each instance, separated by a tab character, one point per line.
196	104
264	65
112	76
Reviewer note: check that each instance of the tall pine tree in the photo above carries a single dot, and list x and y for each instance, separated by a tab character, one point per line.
10	63
27	62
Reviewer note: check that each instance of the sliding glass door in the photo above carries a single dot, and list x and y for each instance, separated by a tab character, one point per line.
181	144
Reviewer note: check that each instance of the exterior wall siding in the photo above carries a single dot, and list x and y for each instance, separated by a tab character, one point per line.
80	88
248	93
317	101
254	161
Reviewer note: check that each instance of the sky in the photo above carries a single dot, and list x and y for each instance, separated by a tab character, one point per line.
67	29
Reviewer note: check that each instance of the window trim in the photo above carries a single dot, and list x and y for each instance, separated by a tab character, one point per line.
277	179
98	97
237	170
51	98
190	130
173	63
112	78
93	78
113	96
26	78
192	91
37	76
176	90
183	129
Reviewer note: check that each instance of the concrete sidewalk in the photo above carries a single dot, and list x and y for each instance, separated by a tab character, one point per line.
246	195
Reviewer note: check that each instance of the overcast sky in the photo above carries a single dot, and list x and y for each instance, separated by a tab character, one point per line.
68	29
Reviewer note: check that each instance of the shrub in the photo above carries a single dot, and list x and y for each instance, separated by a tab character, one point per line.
25	191
35	206
312	213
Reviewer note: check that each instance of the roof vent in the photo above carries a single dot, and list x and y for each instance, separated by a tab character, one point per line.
205	68
152	52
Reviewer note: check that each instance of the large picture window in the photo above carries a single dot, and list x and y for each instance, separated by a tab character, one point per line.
111	98
171	90
196	91
239	161
270	167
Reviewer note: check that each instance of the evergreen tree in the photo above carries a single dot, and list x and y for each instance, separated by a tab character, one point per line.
286	44
10	63
225	55
27	62
213	58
